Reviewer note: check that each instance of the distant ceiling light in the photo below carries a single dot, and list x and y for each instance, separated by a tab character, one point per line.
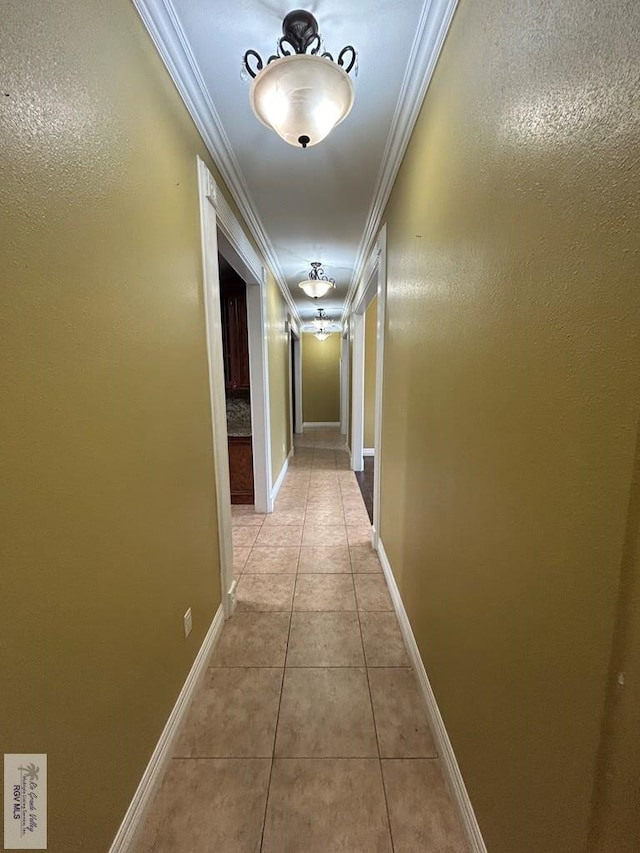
322	336
321	321
317	284
300	95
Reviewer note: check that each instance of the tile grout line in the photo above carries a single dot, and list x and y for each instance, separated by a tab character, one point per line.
275	733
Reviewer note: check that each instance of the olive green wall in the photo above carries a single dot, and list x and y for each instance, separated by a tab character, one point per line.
512	390
615	822
321	379
279	387
110	517
370	344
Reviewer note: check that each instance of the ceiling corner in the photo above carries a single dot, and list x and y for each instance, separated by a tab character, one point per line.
435	19
162	24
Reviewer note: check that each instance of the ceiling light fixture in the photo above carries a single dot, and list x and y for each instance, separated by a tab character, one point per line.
317	284
321	321
301	96
322	336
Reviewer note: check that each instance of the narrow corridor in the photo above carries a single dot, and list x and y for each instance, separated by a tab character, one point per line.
308	734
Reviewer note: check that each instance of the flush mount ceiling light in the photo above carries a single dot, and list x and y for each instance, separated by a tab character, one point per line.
301	95
317	283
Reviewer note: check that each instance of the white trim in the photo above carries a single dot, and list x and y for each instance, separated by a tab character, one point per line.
313	424
290	377
260	396
381	253
344	386
163	25
368	451
357	393
132	821
283	473
431	32
443	744
297	379
213	327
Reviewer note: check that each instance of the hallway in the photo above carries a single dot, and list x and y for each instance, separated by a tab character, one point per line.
307	734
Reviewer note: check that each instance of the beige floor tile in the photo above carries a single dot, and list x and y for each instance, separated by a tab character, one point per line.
326	806
422	815
352	500
265	592
325	639
244	537
325	713
207	805
316	506
382	640
324	534
274	560
357	518
401	719
324	517
233	715
252	639
324	592
290	504
319	559
372	592
286	517
246	519
240	557
282	536
359	535
363	559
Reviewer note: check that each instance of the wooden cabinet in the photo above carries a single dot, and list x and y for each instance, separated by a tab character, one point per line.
235	336
241	469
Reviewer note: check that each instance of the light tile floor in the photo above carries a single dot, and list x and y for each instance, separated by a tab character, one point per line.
307	733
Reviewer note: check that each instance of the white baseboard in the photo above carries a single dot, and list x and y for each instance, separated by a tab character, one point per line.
443	744
278	483
369	451
132	821
321	424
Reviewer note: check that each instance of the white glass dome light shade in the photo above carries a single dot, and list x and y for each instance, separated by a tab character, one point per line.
316	288
302	97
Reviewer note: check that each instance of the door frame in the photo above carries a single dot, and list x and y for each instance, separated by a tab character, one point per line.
373	283
344	385
221	232
295	380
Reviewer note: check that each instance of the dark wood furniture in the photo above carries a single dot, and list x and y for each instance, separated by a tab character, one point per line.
235	335
241	469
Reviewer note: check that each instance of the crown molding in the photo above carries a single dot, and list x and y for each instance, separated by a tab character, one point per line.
163	25
433	26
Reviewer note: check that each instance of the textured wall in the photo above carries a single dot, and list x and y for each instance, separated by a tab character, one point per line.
279	389
107	461
321	379
370	345
512	390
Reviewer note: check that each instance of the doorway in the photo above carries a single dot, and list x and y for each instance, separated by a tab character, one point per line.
223	236
295	380
237	382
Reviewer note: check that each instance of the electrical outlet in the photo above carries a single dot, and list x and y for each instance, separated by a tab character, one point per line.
188	623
